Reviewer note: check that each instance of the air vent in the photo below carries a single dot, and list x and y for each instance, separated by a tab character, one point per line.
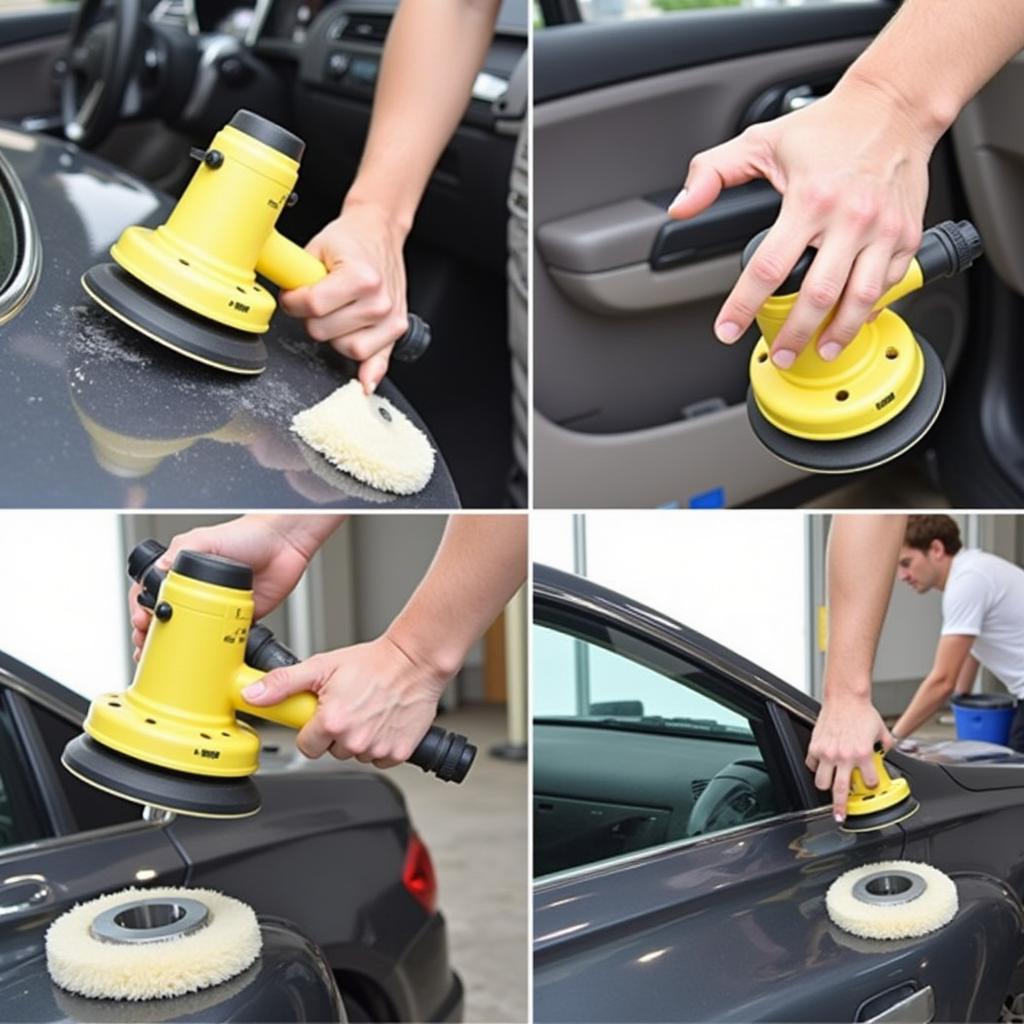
366	28
697	786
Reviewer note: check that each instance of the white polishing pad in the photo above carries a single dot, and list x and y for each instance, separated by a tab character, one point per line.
859	901
224	946
366	436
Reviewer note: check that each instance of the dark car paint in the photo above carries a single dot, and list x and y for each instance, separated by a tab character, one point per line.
326	852
291	980
732	926
96	415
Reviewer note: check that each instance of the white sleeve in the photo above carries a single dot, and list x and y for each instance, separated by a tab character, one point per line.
964	605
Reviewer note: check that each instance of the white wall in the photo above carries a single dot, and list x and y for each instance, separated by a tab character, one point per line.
63	597
738	577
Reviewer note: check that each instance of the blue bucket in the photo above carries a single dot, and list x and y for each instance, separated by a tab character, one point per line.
984	716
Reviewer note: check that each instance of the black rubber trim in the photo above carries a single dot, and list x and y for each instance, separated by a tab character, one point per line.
23	27
223	572
570	59
268	133
724	227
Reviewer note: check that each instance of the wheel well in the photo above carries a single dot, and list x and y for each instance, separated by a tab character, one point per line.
364	999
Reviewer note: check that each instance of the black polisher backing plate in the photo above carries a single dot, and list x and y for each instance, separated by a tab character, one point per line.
159	787
172	325
867	450
880	819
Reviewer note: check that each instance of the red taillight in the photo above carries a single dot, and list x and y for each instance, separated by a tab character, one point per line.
418	874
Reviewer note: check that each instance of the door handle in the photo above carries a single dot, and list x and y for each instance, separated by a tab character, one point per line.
917	1008
20	893
797	98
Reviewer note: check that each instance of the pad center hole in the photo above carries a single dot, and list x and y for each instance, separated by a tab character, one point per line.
891	353
384	414
889	885
149	915
842	396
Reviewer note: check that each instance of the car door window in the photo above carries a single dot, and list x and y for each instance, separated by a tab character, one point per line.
634	748
21	820
620	10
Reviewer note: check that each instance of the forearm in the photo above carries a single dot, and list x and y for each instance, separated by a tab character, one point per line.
479	565
969	672
433	52
862	556
931	695
934	55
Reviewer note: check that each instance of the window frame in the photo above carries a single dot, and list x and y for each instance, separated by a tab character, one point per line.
29	258
574	613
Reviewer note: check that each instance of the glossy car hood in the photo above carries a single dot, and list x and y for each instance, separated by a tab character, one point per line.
93	414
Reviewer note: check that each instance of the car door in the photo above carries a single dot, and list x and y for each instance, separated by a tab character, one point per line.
61	842
713	905
635	402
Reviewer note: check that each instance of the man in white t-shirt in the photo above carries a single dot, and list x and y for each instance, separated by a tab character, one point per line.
982	618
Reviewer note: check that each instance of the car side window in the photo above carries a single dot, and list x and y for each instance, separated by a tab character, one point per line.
634	748
21	820
621	10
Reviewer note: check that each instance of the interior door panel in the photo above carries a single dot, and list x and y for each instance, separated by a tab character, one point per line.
31	42
636	403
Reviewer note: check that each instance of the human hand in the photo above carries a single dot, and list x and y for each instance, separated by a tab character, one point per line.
844	738
853	172
375	702
278	558
360	306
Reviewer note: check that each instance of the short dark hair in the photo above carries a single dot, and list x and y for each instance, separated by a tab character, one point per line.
922	530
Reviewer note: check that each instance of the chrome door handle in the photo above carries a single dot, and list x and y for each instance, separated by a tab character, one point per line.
31	891
917	1008
797	98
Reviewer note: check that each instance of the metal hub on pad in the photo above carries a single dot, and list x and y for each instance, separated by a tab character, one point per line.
887	888
150	920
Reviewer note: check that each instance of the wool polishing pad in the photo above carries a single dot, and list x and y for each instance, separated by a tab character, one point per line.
893	899
367	437
120	955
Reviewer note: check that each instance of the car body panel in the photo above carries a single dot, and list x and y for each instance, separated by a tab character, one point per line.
733	926
326	853
290	981
96	415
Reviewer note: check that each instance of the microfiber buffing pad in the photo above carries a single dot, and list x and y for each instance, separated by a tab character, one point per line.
894	899
367	437
81	962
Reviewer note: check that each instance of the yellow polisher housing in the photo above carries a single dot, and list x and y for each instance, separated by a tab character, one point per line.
890	795
180	711
870	383
221	234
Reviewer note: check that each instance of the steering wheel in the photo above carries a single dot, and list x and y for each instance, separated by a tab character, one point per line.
101	58
738	793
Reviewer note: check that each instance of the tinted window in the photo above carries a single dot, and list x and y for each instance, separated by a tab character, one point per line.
21	820
91	807
634	748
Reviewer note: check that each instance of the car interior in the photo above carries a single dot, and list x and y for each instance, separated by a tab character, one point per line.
630	755
184	67
636	403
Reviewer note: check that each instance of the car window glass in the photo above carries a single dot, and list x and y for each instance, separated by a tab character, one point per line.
91	807
622	10
20	818
634	748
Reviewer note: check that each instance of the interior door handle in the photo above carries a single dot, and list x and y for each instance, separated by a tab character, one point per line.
20	893
917	1008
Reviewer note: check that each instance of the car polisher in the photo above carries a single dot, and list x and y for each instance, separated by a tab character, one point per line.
879	397
172	740
871	808
140	944
190	284
896	899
